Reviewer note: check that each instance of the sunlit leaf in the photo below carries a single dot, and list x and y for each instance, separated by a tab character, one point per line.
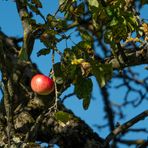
109	11
68	69
114	22
93	3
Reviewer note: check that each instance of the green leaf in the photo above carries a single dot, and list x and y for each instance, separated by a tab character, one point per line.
114	22
132	22
109	11
84	50
102	72
68	69
43	51
83	89
93	3
86	102
63	116
108	37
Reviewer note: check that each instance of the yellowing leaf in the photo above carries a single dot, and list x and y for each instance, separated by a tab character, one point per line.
145	29
85	68
77	61
132	40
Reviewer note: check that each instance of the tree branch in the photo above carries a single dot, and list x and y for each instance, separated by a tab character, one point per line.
134	58
70	134
135	142
108	108
28	41
122	128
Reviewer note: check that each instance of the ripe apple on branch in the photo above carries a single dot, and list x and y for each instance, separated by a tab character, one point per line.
41	84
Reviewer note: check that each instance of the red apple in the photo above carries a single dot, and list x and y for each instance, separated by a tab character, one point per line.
42	84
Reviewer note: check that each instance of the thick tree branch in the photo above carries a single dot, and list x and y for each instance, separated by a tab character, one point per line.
134	58
28	41
122	128
73	133
108	108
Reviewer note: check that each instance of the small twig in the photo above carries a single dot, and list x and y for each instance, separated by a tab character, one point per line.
122	128
133	142
67	96
58	9
100	127
26	90
138	130
54	79
58	51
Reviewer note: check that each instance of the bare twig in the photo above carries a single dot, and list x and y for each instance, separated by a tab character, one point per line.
67	96
138	130
55	84
133	142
